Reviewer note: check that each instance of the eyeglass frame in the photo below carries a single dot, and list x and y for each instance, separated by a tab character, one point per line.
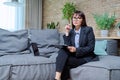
76	18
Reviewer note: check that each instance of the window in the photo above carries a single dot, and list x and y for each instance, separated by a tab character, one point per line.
11	17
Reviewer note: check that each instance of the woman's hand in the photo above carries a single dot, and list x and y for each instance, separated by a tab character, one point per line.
67	29
71	49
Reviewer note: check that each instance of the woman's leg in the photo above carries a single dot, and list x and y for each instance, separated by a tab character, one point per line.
74	62
65	74
60	62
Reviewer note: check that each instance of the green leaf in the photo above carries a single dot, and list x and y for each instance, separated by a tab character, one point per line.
52	25
104	21
68	10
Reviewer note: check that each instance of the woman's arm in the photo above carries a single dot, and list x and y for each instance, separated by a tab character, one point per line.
67	35
67	39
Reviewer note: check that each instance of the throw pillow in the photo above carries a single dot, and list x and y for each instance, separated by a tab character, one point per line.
100	47
13	42
44	39
112	47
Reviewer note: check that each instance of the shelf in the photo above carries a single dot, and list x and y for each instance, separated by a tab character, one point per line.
107	37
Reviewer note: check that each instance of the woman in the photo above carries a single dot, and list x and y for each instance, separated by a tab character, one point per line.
81	41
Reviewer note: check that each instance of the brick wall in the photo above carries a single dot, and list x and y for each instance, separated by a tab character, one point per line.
52	11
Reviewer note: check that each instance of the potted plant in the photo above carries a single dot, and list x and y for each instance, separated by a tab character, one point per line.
118	28
104	22
68	10
52	25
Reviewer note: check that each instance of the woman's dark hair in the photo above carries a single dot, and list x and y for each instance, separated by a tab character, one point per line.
82	15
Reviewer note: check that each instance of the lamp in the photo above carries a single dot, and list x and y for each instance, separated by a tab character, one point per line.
14	3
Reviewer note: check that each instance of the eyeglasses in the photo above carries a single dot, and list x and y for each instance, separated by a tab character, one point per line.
74	18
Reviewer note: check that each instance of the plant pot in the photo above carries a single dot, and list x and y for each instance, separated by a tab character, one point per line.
104	33
118	33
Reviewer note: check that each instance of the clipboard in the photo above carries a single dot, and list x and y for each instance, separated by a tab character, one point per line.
60	46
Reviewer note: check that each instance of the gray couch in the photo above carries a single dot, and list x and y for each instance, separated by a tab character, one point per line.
17	60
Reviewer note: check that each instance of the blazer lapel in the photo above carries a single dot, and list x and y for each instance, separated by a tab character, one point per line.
73	37
82	33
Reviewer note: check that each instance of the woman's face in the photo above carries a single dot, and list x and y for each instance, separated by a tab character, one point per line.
77	20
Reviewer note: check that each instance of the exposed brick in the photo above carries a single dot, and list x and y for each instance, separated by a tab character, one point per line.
52	11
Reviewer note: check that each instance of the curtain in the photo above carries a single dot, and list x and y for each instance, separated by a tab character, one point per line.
33	14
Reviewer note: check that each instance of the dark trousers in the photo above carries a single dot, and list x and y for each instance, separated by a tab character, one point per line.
65	61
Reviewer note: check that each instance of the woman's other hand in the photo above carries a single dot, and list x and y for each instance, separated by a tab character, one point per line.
71	49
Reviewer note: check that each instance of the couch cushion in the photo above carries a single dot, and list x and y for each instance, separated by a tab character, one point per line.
44	39
107	62
26	59
13	42
89	73
32	72
107	68
108	65
5	72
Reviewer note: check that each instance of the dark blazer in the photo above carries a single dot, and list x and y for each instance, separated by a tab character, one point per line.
86	43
